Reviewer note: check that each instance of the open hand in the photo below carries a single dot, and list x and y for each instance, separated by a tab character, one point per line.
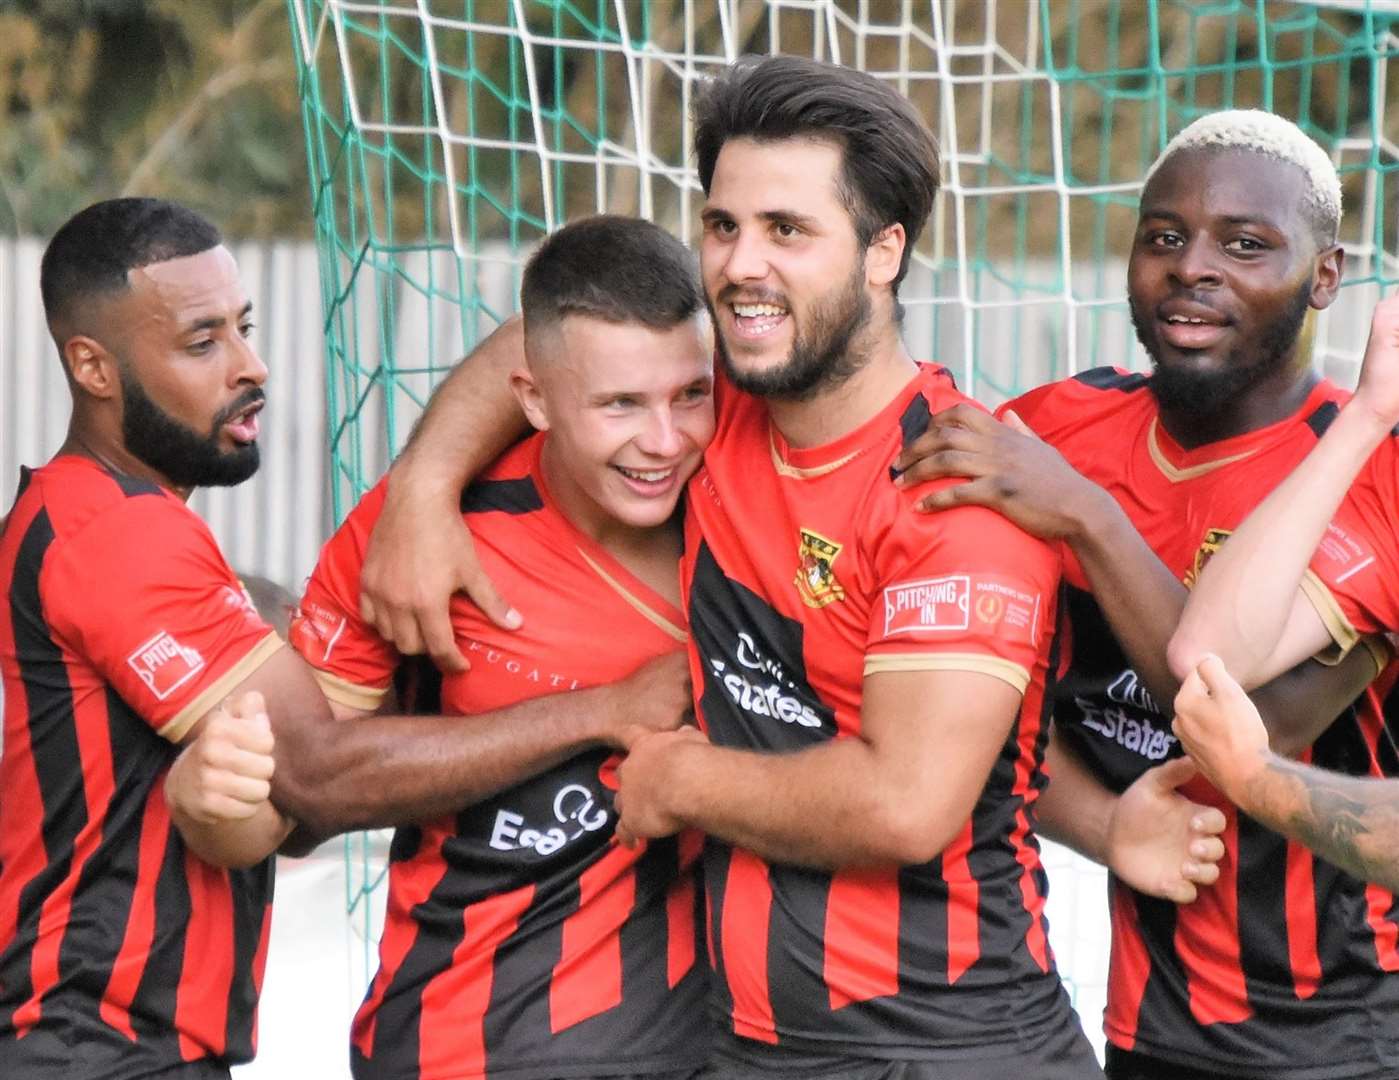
1162	843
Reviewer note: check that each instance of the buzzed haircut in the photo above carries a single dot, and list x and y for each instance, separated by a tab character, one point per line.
1272	136
92	253
619	269
889	158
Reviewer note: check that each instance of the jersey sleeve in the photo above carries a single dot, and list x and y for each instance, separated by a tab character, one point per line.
145	597
962	590
1353	579
353	663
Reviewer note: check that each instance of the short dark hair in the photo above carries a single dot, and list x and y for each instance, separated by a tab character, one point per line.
620	269
95	249
889	157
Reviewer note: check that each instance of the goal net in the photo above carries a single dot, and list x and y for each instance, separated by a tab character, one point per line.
446	138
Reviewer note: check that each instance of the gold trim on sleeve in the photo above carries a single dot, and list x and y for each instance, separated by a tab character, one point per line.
1329	611
254	658
1006	670
353	695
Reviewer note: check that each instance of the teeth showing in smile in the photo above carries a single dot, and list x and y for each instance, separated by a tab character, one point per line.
753	311
649	476
1187	319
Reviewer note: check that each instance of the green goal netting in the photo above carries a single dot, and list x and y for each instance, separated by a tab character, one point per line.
445	137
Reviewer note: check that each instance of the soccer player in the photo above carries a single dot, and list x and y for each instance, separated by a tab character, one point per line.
521	939
869	790
1312	568
126	951
1280	968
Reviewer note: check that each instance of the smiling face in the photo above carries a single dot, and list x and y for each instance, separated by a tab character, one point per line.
1225	265
191	382
629	411
784	273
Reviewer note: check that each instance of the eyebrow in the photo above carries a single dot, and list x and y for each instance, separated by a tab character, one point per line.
214	322
710	214
1228	219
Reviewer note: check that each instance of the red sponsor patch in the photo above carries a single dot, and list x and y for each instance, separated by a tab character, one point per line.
939	603
955	602
165	665
317	629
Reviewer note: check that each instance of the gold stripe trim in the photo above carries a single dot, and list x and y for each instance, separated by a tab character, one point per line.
254	658
343	692
1175	475
1379	651
1338	626
1006	670
649	614
783	469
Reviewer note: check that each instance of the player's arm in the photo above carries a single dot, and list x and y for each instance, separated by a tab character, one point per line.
421	552
898	794
1350	821
1016	473
1248	607
331	776
1151	836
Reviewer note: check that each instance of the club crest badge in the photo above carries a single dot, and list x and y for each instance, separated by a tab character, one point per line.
1208	546
816	581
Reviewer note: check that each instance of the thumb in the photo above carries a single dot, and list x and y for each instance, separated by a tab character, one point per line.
1216	677
1012	420
495	607
1174	773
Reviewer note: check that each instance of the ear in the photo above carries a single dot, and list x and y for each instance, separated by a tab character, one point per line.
883	256
525	386
91	367
1326	277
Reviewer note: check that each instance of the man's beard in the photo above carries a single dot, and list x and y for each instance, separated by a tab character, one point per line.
1190	391
823	356
180	454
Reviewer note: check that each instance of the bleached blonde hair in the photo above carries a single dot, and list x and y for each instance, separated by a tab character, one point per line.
1272	136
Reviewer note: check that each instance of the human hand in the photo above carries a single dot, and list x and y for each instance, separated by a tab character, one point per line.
1220	727
654	697
420	554
645	786
1378	388
1162	843
1009	469
225	773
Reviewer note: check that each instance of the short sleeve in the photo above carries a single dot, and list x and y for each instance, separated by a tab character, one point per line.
961	590
1353	579
143	594
354	664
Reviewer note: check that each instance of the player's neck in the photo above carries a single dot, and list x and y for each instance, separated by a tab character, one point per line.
1269	402
840	409
92	442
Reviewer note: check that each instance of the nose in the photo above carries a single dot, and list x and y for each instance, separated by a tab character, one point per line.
746	259
247	368
661	437
1197	263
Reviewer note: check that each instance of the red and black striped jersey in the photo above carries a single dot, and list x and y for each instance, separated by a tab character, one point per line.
122	954
806	571
521	939
1283	968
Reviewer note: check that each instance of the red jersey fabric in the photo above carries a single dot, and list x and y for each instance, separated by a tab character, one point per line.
121	953
806	571
1281	969
521	939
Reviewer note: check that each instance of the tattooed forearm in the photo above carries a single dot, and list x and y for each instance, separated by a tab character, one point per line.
1352	822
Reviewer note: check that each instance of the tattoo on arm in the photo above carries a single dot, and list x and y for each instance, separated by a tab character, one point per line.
1350	821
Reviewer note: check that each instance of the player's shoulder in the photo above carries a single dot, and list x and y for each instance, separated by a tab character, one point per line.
82	498
509	485
1094	392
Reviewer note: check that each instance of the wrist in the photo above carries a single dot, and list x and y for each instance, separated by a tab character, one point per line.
1368	422
1094	518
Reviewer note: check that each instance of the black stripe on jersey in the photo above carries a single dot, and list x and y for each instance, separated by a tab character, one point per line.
248	888
132	487
153	1005
714	872
913	423
55	754
1321	417
1106	378
508	496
